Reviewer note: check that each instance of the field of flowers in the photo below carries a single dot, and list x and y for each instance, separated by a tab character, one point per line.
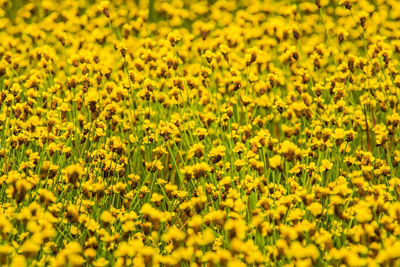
199	133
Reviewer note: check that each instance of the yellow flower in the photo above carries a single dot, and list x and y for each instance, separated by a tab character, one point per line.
174	37
217	153
30	248
100	262
275	161
107	218
325	165
73	172
209	56
156	198
315	208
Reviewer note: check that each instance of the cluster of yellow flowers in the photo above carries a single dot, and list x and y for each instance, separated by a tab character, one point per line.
199	133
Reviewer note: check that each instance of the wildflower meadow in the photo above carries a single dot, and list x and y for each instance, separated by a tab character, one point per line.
199	133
